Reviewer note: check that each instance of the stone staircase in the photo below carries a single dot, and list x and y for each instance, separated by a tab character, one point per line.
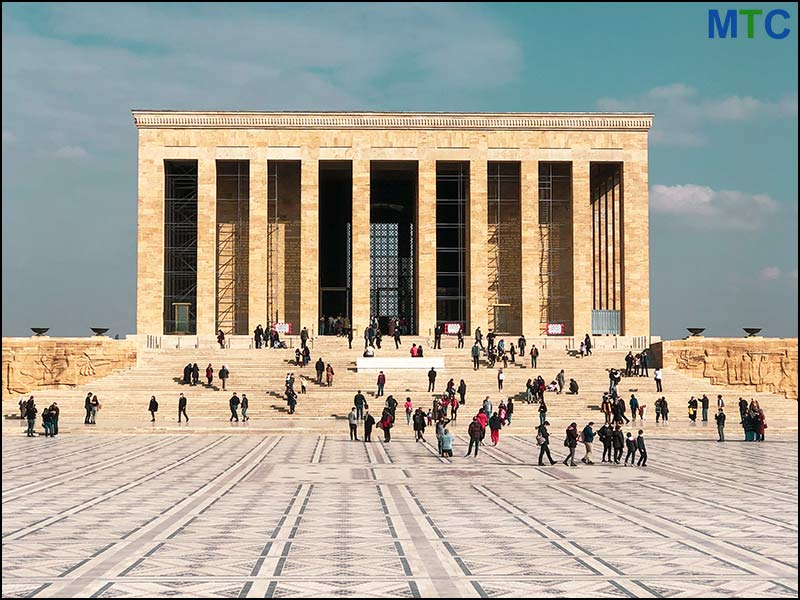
260	374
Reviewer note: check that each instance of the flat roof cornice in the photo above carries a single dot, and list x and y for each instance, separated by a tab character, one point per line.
166	119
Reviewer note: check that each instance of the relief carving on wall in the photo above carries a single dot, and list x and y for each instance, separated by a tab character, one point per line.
29	367
769	370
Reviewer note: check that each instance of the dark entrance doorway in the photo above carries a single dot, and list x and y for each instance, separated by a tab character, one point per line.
393	198
335	222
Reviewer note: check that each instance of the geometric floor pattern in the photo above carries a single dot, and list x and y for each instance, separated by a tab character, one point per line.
302	516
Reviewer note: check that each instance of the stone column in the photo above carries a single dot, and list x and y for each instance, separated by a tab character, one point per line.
360	252
426	248
478	245
635	249
257	296
150	253
582	263
206	245
530	248
309	240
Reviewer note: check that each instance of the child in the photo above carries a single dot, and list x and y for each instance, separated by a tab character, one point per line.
430	417
642	407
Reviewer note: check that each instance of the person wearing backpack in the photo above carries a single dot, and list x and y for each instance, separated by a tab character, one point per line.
543	441
571	442
153	408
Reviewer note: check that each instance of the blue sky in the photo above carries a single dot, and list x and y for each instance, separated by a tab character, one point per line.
723	154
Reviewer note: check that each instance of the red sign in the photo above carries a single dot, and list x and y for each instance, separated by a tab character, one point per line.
284	328
555	329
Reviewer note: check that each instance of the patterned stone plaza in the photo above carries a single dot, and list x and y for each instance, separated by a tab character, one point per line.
253	516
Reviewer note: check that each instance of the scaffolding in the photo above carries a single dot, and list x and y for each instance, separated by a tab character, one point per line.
272	241
503	232
180	245
555	183
233	224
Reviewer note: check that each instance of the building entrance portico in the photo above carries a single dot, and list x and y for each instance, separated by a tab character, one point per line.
524	223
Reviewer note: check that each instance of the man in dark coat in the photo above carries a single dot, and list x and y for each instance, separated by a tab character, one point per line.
605	434
642	450
431	379
319	366
618	441
234	404
87	404
369	422
630	444
571	442
182	408
720	419
543	439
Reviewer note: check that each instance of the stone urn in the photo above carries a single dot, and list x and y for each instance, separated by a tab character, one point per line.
751	331
695	331
99	330
40	330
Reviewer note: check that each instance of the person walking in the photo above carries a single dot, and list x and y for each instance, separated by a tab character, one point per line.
462	392
500	377
223	375
634	403
561	380
630	444
420	420
195	374
153	408
329	375
359	400
221	339
381	383
534	355
319	367
182	408
209	375
440	424
87	405
543	441
479	337
642	450
476	353
460	337
588	440
664	409
352	419
303	337
234	405
509	410
645	360
475	431
409	406
521	343
720	419
386	423
571	442
245	404
657	377
587	342
30	415
495	424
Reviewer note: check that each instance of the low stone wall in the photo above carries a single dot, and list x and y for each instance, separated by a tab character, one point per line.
760	364
36	363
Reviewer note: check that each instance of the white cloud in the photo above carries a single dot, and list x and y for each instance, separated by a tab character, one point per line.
705	207
681	112
69	153
770	273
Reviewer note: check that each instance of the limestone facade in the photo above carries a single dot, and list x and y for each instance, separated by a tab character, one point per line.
749	364
362	139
